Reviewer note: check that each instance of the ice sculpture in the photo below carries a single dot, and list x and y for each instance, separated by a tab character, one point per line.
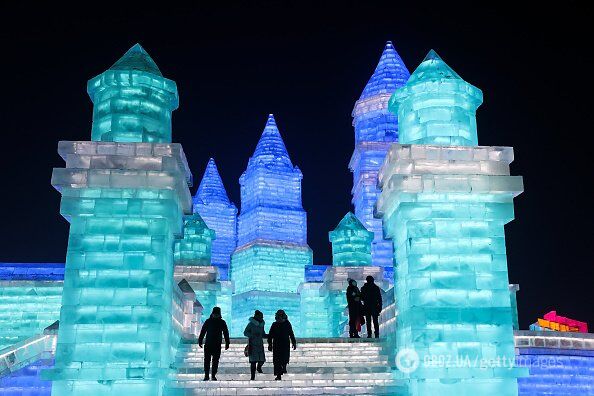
132	101
375	129
445	202
220	214
351	243
124	194
272	252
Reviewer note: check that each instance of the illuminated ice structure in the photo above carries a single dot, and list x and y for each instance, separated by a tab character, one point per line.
375	130
445	202
124	194
219	214
272	252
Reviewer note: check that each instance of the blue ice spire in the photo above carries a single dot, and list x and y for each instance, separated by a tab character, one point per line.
219	214
272	252
271	149
375	129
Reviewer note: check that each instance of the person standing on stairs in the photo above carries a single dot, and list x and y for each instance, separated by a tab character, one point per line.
255	334
279	335
353	296
214	328
371	295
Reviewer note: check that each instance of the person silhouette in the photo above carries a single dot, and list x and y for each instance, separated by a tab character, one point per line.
214	328
255	333
353	296
371	295
279	335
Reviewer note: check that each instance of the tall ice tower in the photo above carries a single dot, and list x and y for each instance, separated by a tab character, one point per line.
124	194
272	252
375	130
445	202
219	214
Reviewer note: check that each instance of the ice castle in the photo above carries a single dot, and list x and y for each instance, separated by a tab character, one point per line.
147	261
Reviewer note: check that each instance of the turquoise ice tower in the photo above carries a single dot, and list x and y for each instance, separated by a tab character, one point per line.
351	243
269	262
220	214
124	194
445	202
375	130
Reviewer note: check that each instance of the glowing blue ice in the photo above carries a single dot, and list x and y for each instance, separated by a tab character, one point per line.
375	129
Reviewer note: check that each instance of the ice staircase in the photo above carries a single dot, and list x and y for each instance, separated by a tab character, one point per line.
319	366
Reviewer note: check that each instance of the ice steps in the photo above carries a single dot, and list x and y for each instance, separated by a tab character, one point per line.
319	366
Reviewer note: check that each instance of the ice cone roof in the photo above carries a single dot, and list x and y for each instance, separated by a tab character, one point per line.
390	73
136	58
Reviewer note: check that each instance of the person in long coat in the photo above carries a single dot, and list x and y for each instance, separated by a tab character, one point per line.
353	296
281	332
371	295
255	334
214	328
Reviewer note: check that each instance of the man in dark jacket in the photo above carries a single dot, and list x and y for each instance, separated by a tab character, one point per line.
278	342
371	295
214	328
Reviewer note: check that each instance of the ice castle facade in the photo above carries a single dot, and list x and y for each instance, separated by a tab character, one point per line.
445	202
376	129
269	263
146	262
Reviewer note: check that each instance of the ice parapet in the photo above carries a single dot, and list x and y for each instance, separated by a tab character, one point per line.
220	214
375	129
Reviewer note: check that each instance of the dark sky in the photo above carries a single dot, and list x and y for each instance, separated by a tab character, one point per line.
307	63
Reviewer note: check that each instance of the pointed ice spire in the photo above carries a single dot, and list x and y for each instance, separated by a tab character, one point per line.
271	148
433	68
350	222
136	58
390	73
211	188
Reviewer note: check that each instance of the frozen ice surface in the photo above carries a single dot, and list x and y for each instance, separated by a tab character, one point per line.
220	214
375	129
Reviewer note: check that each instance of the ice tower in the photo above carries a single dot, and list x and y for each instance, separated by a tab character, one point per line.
272	251
220	214
351	243
445	202
124	194
375	130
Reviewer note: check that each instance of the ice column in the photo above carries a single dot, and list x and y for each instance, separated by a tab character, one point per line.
375	129
124	194
272	252
445	202
220	214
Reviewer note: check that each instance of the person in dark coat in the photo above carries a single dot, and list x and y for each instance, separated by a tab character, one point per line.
214	328
353	295
255	334
279	335
371	295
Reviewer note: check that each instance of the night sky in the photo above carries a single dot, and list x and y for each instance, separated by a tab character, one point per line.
307	63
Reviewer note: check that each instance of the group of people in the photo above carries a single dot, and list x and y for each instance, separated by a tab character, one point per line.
364	305
280	337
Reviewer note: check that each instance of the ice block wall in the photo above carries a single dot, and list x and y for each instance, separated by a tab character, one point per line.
351	243
272	251
125	197
219	214
445	202
375	129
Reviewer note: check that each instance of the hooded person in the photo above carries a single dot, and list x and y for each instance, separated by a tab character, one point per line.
255	333
281	332
214	328
371	295
353	296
